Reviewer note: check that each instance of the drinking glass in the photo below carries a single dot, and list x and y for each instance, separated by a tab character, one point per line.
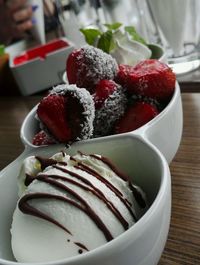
177	27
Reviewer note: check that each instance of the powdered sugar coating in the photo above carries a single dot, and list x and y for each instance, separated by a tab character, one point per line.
112	109
95	65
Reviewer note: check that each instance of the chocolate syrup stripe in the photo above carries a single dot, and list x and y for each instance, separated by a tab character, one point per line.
94	173
109	185
28	179
112	167
81	245
94	190
84	207
27	209
45	162
138	196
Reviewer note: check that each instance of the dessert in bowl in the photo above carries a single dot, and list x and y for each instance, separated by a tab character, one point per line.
144	241
93	117
143	99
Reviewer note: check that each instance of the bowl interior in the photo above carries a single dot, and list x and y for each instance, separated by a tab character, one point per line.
131	154
30	124
157	52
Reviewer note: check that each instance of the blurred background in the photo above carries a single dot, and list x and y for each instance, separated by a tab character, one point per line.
30	24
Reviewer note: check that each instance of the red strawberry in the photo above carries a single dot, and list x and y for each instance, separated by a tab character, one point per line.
102	91
74	61
52	112
150	78
41	138
136	116
67	113
123	71
85	67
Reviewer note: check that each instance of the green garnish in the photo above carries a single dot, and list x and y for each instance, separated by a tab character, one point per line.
2	49
134	35
91	35
113	26
106	40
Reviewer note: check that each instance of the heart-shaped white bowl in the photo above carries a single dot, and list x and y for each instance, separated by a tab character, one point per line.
143	243
164	131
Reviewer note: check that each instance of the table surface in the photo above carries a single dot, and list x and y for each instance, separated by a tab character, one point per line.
183	244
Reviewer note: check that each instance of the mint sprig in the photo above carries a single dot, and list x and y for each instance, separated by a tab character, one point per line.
91	35
134	35
113	26
106	40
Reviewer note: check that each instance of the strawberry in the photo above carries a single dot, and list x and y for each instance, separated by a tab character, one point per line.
67	113
74	61
42	138
123	71
135	116
150	78
52	112
103	90
111	101
85	67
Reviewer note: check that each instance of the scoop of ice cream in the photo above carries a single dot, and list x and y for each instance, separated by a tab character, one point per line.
71	205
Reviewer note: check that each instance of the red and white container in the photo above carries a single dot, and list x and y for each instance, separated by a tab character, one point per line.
41	67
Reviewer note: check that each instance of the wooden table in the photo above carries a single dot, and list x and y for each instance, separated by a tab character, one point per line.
183	245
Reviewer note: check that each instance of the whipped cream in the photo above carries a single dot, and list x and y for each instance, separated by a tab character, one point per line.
128	51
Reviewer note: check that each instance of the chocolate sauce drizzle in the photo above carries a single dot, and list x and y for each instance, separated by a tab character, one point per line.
45	162
137	194
76	200
109	185
26	208
28	179
94	190
82	205
81	245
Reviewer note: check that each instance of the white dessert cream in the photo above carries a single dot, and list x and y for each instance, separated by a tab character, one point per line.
71	204
128	51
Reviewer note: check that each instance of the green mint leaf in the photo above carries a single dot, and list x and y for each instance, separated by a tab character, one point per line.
2	49
91	35
113	26
134	35
106	41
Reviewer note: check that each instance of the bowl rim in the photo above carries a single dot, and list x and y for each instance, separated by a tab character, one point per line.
134	231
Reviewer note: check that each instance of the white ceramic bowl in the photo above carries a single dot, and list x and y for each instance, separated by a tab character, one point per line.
164	131
143	243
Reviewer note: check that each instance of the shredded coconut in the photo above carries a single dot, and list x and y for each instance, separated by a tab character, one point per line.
112	109
87	104
95	65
